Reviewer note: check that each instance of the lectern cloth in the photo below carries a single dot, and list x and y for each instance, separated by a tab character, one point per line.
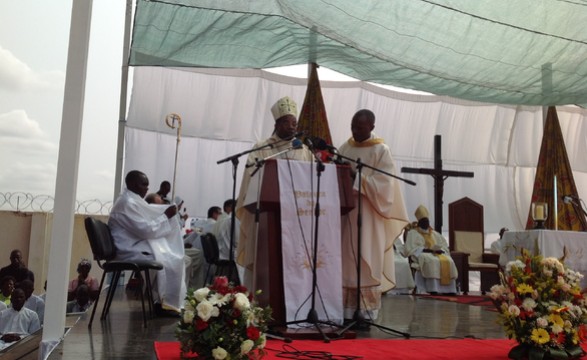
246	248
298	191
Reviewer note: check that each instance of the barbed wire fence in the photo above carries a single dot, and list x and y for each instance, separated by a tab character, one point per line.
27	202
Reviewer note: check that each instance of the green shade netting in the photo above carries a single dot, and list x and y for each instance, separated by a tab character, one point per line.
501	51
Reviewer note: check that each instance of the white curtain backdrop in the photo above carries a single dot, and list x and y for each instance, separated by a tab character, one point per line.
225	111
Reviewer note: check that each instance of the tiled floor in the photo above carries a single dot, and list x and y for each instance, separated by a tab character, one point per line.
122	335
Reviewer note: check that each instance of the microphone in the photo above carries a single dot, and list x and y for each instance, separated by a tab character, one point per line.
321	144
298	134
313	149
295	144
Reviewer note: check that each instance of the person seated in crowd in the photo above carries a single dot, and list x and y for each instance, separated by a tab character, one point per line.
6	289
17	321
430	255
32	301
228	206
496	246
17	268
150	232
214	213
154	198
163	191
222	228
83	277
82	300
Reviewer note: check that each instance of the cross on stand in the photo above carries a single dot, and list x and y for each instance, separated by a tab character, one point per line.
439	176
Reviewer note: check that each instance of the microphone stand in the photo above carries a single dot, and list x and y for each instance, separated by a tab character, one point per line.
359	321
233	272
312	317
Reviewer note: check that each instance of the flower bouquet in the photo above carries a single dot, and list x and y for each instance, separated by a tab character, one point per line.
222	322
542	307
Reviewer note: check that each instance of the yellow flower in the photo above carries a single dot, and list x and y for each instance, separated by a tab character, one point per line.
556	319
524	289
540	336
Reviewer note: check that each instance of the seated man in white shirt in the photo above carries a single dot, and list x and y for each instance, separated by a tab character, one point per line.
33	301
17	321
222	229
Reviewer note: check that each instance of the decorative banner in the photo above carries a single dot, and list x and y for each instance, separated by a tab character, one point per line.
297	187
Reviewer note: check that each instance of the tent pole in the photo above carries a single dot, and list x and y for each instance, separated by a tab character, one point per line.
67	175
123	94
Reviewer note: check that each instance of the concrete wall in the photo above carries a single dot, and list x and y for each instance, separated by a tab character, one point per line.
30	232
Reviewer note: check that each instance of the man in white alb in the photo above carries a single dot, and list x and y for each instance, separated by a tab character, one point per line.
143	231
383	218
428	249
285	114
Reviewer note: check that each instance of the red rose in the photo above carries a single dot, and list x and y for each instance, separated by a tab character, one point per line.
201	325
253	333
220	282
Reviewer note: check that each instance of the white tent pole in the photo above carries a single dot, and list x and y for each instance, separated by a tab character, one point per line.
123	95
67	171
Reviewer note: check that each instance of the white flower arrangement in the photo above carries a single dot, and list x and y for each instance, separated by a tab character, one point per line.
222	322
542	307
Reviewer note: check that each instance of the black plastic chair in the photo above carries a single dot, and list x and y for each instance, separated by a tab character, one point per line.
212	255
104	253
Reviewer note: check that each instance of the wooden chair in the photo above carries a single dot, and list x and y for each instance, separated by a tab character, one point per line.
466	235
104	252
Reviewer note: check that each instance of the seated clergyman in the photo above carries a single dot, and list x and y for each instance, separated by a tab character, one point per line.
430	256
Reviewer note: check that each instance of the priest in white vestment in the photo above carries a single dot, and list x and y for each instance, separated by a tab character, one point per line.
430	254
285	114
143	231
383	218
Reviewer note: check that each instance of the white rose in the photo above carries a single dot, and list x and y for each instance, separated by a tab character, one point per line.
514	310
206	310
188	316
241	302
219	353
246	346
529	304
201	294
541	322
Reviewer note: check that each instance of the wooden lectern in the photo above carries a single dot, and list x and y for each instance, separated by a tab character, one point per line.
268	263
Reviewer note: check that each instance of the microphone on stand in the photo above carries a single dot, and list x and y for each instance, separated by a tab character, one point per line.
321	144
313	149
295	144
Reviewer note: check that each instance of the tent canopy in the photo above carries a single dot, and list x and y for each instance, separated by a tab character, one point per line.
510	52
226	111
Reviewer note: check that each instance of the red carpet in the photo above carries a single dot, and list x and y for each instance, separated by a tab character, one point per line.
477	300
377	349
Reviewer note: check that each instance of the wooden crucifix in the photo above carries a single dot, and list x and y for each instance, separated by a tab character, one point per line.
439	176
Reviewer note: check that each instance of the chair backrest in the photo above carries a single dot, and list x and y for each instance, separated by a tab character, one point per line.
100	238
466	228
210	248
